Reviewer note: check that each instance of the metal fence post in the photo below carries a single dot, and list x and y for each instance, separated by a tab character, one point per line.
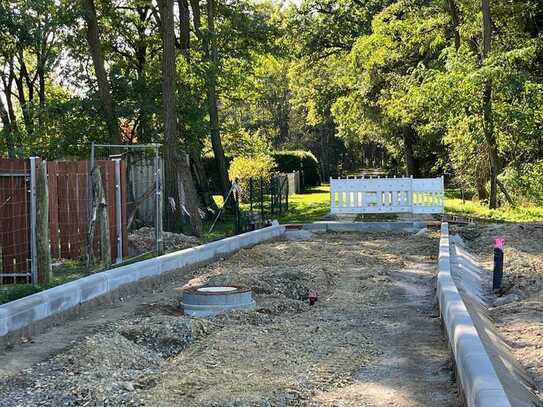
118	211
272	196
251	194
286	196
158	203
261	200
33	221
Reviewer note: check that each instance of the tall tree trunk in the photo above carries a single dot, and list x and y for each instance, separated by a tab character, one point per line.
179	183
184	28
8	131
411	164
211	57
488	119
455	18
8	86
208	203
104	90
24	96
324	149
200	177
41	94
212	99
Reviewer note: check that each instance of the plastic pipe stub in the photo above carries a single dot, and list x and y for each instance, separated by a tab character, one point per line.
207	301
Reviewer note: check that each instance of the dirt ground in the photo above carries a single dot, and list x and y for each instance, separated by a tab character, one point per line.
520	319
372	339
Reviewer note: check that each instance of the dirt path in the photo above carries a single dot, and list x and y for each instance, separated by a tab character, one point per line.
372	339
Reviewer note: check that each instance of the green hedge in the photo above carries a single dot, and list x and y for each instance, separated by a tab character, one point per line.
287	161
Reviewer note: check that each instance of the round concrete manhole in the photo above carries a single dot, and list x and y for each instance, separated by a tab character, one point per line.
212	300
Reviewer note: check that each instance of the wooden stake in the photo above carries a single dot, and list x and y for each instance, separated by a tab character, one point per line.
99	216
42	225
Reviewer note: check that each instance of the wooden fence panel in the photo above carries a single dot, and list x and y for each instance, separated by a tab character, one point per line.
52	180
14	223
73	202
68	183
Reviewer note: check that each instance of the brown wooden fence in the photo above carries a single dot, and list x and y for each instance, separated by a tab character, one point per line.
14	219
68	184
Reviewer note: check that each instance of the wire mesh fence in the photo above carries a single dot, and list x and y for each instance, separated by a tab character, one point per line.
137	225
60	220
256	202
15	264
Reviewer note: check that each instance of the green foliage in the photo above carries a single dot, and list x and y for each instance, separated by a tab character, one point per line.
289	161
525	183
14	292
245	143
339	78
242	169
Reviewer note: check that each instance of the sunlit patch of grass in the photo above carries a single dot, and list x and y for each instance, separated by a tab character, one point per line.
504	214
308	206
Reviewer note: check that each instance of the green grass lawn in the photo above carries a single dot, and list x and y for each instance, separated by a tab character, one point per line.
315	202
69	271
307	207
475	209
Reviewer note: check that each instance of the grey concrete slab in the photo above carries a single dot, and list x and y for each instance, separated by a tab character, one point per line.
365	227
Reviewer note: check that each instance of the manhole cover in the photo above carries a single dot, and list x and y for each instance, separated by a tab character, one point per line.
212	300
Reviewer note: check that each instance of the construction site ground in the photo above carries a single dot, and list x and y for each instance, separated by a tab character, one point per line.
517	307
373	338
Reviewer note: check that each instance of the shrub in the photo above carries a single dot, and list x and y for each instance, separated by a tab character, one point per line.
289	161
525	184
286	161
243	168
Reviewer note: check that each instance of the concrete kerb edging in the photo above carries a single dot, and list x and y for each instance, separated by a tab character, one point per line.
24	312
365	227
477	376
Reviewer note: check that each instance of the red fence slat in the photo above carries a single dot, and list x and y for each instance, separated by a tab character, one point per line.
52	181
68	183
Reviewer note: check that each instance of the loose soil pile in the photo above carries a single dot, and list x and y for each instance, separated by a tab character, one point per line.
143	240
371	339
518	308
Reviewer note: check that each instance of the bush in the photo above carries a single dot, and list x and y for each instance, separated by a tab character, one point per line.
286	161
243	168
289	161
525	184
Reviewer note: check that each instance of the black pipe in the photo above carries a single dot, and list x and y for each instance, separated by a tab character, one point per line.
498	268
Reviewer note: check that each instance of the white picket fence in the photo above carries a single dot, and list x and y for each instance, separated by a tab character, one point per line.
386	195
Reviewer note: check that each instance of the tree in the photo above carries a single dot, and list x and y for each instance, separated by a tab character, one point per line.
488	120
180	191
104	91
211	59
